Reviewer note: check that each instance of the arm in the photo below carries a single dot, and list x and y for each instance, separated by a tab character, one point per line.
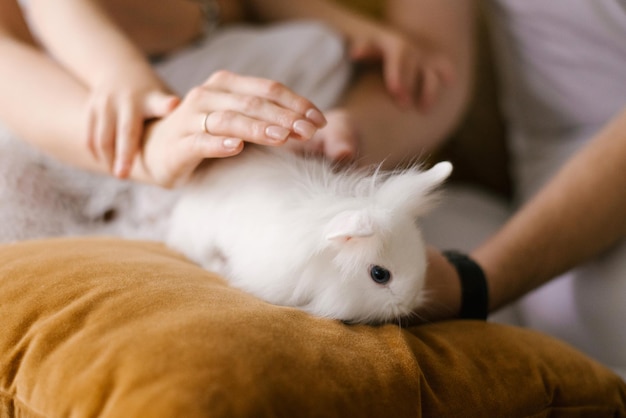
427	53
575	217
424	45
35	88
124	89
44	104
80	35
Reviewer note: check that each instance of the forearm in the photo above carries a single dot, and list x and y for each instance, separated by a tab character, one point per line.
575	217
45	105
40	101
80	35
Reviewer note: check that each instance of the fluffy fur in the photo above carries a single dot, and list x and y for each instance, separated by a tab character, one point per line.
40	197
295	232
288	229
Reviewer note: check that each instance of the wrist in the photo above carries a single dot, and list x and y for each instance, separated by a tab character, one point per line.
143	166
128	69
442	290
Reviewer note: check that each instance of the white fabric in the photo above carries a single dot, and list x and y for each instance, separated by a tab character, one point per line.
306	56
561	61
562	67
562	70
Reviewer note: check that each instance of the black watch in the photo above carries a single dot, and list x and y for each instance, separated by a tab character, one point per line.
474	290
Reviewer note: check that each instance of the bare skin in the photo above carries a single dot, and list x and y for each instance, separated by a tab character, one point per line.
172	146
402	105
574	218
405	106
407	103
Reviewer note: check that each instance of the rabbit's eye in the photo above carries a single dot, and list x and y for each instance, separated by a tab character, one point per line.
380	274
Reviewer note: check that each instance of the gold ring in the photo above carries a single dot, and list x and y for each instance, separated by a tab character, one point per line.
204	127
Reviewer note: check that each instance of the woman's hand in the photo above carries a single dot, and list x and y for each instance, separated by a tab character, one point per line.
214	120
118	107
413	75
442	289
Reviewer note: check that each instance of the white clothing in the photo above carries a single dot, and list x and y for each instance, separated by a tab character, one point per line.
562	68
306	56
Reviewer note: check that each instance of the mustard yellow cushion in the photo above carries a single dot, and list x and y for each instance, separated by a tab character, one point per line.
110	328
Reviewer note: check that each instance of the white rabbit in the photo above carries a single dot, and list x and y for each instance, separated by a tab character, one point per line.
295	232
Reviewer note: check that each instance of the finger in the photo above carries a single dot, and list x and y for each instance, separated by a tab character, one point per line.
394	78
313	147
340	138
410	75
105	134
364	51
159	104
215	146
129	130
430	89
91	133
340	151
233	124
269	89
188	153
446	71
262	109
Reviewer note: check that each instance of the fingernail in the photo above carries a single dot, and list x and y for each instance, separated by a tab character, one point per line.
304	129
231	143
316	117
277	132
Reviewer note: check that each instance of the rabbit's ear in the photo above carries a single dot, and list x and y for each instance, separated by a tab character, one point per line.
412	191
350	224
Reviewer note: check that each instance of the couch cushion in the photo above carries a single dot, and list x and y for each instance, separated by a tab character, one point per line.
111	328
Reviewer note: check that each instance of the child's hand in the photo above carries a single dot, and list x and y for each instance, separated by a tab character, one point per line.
118	107
214	120
412	75
338	141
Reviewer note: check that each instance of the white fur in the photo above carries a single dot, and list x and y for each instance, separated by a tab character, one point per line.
40	197
288	229
294	232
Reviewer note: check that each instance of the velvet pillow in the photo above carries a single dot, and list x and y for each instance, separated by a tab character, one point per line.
111	328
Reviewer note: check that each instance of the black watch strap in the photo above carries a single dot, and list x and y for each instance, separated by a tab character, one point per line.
474	290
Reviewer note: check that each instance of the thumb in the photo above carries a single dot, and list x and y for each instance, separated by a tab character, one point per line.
158	104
